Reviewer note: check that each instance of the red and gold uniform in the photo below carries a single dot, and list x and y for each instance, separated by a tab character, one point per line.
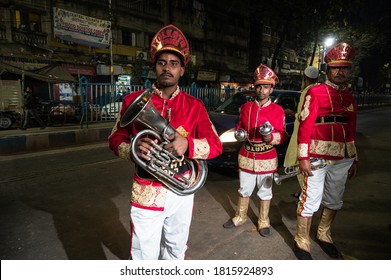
327	131
189	117
327	123
257	156
161	218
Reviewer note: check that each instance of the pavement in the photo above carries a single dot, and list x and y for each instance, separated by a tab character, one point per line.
15	140
363	226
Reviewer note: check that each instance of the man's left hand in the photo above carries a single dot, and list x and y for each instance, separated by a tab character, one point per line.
178	146
353	171
267	138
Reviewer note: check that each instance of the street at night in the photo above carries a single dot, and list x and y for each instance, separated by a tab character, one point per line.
73	204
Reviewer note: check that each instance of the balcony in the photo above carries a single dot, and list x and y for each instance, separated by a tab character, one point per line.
28	37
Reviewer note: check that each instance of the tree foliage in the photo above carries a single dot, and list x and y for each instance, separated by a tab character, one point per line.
357	22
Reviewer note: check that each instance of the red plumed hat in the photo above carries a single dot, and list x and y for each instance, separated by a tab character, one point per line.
340	55
170	38
263	75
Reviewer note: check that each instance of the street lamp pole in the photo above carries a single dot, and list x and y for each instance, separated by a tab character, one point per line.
111	47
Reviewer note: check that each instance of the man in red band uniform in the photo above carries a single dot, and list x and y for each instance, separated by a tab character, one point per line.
327	130
160	218
258	157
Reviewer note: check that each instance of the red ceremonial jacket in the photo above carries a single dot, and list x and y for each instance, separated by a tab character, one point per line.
327	123
189	117
255	155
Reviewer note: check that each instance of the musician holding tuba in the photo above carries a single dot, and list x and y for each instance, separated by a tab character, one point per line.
262	125
327	130
161	199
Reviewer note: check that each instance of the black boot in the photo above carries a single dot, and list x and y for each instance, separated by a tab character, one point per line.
301	254
328	248
229	224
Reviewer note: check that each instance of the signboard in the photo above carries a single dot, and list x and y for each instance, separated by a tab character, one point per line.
206	76
74	69
66	91
80	29
123	84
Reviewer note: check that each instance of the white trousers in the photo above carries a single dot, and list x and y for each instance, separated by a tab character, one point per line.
248	181
326	187
161	234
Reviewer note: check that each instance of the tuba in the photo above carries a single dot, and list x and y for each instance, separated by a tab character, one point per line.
159	166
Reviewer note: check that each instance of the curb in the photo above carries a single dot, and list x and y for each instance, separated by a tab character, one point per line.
41	141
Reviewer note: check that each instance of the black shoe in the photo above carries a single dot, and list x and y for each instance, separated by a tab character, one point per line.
265	232
301	254
229	224
328	248
22	128
43	127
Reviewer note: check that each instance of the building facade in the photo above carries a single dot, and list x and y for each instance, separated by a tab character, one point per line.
76	34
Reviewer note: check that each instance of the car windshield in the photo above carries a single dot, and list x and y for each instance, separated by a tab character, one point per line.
231	106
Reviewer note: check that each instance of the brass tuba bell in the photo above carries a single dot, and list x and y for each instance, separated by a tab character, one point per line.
159	166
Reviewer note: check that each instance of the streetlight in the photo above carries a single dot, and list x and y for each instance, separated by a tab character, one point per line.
328	42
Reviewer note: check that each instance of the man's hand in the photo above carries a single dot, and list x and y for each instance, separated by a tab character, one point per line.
144	147
353	171
305	167
267	138
178	146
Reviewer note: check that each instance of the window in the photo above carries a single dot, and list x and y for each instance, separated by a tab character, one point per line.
128	38
28	21
267	30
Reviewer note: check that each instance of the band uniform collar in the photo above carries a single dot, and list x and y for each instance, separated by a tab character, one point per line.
264	105
160	93
334	86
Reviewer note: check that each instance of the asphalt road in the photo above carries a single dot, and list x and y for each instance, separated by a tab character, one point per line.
73	204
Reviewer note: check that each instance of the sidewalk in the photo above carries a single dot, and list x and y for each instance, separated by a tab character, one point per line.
15	141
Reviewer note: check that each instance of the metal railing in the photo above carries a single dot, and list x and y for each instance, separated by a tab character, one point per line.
101	102
29	37
367	100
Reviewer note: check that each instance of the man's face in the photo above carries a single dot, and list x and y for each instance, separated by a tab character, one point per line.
263	91
168	70
338	75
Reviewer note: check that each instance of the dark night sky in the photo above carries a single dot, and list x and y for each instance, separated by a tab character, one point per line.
375	13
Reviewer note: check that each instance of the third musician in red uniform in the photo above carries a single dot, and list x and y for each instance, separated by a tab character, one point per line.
327	131
257	156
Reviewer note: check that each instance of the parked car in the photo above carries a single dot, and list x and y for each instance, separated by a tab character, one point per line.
110	111
226	116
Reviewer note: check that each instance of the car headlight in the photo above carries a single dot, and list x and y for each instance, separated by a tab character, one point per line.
228	136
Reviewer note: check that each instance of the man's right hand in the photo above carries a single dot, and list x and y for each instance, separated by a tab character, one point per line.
305	167
144	147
